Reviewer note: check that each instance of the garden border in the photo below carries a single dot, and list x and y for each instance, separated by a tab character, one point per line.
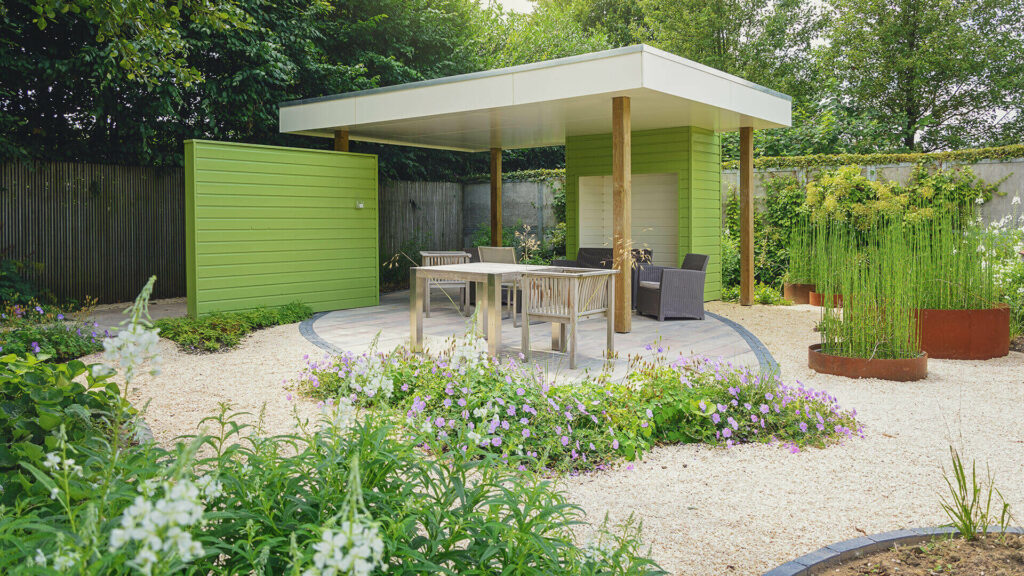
819	560
764	357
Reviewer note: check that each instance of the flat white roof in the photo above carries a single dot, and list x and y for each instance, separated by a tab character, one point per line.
541	104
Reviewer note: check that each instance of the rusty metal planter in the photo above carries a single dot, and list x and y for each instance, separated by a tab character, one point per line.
965	334
899	370
797	293
818	299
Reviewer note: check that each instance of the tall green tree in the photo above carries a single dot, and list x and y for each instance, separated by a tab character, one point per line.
936	73
622	22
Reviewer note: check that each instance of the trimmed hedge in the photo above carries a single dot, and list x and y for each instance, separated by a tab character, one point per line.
967	156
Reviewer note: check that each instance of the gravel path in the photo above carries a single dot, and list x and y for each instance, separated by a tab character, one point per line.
711	511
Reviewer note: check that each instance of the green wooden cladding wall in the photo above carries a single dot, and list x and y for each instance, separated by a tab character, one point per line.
693	153
266	226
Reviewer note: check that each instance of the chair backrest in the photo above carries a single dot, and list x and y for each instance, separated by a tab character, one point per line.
595	258
497	254
564	294
432	258
697	262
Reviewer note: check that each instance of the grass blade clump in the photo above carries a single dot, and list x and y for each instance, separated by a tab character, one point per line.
801	253
950	258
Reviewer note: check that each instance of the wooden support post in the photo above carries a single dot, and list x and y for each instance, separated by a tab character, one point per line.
746	216
341	140
496	197
622	218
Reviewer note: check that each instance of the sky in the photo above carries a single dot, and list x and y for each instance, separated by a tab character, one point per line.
517	5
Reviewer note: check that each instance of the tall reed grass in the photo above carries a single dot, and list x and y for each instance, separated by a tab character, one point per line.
801	253
951	264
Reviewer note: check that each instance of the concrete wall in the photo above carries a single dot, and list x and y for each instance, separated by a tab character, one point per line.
526	202
987	170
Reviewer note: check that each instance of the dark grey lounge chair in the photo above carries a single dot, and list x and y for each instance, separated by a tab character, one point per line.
602	258
672	292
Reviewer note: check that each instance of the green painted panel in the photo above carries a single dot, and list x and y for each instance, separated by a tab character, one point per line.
268	225
692	153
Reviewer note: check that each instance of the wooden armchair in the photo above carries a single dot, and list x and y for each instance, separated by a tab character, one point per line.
565	297
437	258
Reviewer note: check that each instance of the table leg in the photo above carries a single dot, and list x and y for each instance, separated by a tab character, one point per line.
481	308
557	337
610	295
493	314
417	288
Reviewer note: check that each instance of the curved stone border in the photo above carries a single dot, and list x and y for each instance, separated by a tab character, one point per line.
764	357
309	333
820	560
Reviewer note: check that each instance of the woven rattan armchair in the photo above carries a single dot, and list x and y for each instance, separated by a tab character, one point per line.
672	292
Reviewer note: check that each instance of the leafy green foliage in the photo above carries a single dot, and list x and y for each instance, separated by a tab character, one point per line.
43	404
763	294
965	156
940	74
701	401
37	329
14	287
784	197
224	330
969	504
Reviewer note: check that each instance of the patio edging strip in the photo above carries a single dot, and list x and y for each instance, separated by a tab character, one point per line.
764	357
309	333
818	561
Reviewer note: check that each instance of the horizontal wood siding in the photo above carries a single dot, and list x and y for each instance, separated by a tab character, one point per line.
91	230
692	153
269	225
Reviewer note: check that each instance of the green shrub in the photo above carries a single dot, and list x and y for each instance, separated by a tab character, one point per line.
14	287
763	294
730	262
784	198
224	330
44	404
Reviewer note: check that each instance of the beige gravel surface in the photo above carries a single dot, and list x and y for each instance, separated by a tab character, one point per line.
711	511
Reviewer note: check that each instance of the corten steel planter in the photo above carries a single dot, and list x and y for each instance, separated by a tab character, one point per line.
899	370
818	299
965	334
797	293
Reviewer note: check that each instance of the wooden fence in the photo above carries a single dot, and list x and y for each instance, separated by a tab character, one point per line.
95	230
420	216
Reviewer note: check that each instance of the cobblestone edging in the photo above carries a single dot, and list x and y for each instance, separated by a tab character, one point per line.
764	357
818	561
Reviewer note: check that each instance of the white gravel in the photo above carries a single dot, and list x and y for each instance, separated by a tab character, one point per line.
711	511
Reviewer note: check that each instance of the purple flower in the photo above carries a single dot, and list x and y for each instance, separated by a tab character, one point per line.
565	440
716	418
726	432
526	432
703	406
35	346
764	408
520	392
649	413
439	422
733	423
496	441
615	444
803	426
60	316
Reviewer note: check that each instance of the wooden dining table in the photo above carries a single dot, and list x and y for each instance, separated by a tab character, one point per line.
488	277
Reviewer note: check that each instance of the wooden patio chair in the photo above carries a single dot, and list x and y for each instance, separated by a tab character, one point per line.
565	297
503	255
437	258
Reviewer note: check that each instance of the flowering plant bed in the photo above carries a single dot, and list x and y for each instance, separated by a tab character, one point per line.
965	334
510	409
898	369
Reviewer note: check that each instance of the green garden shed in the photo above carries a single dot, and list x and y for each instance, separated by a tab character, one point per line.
640	128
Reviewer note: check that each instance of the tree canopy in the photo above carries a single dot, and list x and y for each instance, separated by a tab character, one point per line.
128	81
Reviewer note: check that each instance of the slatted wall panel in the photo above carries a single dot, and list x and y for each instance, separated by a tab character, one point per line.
268	225
95	230
423	214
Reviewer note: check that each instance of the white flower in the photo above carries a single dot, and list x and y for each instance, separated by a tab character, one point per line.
52	461
130	351
39	559
337	416
54	492
1016	200
161	528
979	200
353	548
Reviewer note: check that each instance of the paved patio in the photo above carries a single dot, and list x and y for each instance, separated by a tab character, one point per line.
388	325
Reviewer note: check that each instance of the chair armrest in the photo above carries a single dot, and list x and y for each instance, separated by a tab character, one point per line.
678	280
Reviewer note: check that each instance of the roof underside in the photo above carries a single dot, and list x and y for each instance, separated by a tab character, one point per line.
541	104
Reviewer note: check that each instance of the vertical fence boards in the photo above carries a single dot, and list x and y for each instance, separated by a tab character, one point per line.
420	216
95	230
